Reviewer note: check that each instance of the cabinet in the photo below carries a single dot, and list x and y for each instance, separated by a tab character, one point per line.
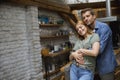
53	62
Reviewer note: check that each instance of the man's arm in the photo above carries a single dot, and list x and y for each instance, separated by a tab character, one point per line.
104	37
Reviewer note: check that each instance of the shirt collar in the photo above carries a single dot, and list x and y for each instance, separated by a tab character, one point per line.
96	26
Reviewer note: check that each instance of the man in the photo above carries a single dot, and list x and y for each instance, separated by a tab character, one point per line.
106	61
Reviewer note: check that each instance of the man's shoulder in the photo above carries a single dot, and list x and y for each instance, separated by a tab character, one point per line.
101	23
103	27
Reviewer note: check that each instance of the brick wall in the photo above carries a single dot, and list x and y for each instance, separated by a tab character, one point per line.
20	57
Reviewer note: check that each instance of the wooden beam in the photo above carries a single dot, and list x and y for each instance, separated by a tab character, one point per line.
93	5
76	15
68	18
48	5
54	4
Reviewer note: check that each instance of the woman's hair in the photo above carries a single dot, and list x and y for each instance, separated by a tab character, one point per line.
89	30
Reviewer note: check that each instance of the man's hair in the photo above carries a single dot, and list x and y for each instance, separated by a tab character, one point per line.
87	9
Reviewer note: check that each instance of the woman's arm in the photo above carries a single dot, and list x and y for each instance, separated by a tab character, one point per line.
91	52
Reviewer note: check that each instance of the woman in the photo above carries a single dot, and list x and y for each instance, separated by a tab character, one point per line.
87	47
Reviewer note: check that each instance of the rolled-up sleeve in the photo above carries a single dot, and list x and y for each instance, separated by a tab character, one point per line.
104	37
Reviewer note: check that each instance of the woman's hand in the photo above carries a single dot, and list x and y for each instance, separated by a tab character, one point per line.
82	51
78	56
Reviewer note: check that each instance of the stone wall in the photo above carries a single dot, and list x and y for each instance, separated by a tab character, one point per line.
20	57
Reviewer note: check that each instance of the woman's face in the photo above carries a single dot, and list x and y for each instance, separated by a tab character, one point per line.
81	29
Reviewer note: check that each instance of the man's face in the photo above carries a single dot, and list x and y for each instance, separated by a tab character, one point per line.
88	18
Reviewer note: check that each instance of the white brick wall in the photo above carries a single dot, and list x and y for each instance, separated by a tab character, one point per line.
20	57
34	42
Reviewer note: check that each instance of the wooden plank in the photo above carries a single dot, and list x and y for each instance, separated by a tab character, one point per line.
102	13
51	37
68	18
55	4
43	4
50	25
51	73
93	5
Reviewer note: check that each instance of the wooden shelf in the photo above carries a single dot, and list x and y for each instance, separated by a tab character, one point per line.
60	76
53	55
51	73
50	25
59	53
48	37
93	5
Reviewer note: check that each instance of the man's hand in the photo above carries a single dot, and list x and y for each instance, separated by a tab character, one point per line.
82	51
78	56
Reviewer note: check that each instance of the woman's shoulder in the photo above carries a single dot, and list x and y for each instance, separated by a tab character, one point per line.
95	37
95	34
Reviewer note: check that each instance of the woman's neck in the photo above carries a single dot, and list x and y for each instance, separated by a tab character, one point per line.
86	35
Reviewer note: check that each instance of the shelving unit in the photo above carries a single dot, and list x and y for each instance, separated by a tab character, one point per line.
53	61
53	36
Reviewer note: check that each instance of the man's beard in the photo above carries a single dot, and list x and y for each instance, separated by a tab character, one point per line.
91	25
